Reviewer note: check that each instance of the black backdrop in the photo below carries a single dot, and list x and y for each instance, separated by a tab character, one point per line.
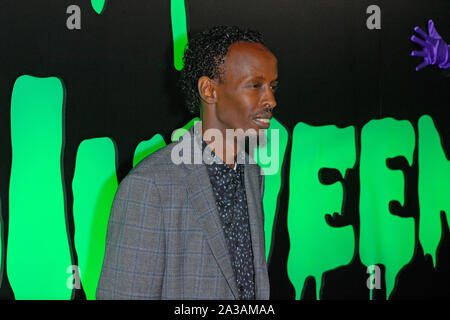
120	82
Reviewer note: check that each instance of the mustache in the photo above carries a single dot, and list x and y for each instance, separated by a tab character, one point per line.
266	112
264	115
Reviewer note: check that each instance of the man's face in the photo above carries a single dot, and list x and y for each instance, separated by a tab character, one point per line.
245	97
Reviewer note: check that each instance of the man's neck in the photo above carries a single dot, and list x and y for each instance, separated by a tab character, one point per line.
225	149
227	154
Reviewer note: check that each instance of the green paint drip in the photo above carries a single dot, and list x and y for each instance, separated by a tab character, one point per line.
94	186
38	252
315	246
434	186
272	184
385	238
98	5
148	147
176	135
179	31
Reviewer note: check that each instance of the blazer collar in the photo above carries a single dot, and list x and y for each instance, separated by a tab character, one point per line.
202	199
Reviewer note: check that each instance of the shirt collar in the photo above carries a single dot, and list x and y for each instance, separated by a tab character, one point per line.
215	158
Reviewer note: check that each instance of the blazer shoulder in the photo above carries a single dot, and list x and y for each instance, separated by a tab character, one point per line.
158	167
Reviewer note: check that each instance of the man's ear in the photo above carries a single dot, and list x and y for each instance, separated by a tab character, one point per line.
207	89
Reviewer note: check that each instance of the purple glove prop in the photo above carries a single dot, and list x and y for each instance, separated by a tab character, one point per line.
434	49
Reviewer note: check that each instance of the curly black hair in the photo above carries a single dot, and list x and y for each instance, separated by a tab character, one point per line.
204	55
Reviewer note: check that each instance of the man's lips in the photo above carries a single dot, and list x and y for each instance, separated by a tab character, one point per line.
263	122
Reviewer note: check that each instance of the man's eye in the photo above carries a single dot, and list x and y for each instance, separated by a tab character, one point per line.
274	88
256	85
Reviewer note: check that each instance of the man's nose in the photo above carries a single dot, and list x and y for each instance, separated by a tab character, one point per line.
269	99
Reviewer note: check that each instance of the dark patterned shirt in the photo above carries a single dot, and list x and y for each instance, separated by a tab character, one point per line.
229	190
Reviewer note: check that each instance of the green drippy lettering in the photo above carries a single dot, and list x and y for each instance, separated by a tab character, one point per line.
434	186
315	246
98	5
147	147
94	186
385	238
179	31
38	252
176	135
272	183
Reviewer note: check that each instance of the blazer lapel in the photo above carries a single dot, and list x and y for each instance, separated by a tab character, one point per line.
202	199
256	218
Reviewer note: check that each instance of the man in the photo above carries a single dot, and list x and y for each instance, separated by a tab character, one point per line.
184	230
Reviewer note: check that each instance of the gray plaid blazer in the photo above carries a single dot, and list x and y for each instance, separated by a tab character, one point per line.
165	238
